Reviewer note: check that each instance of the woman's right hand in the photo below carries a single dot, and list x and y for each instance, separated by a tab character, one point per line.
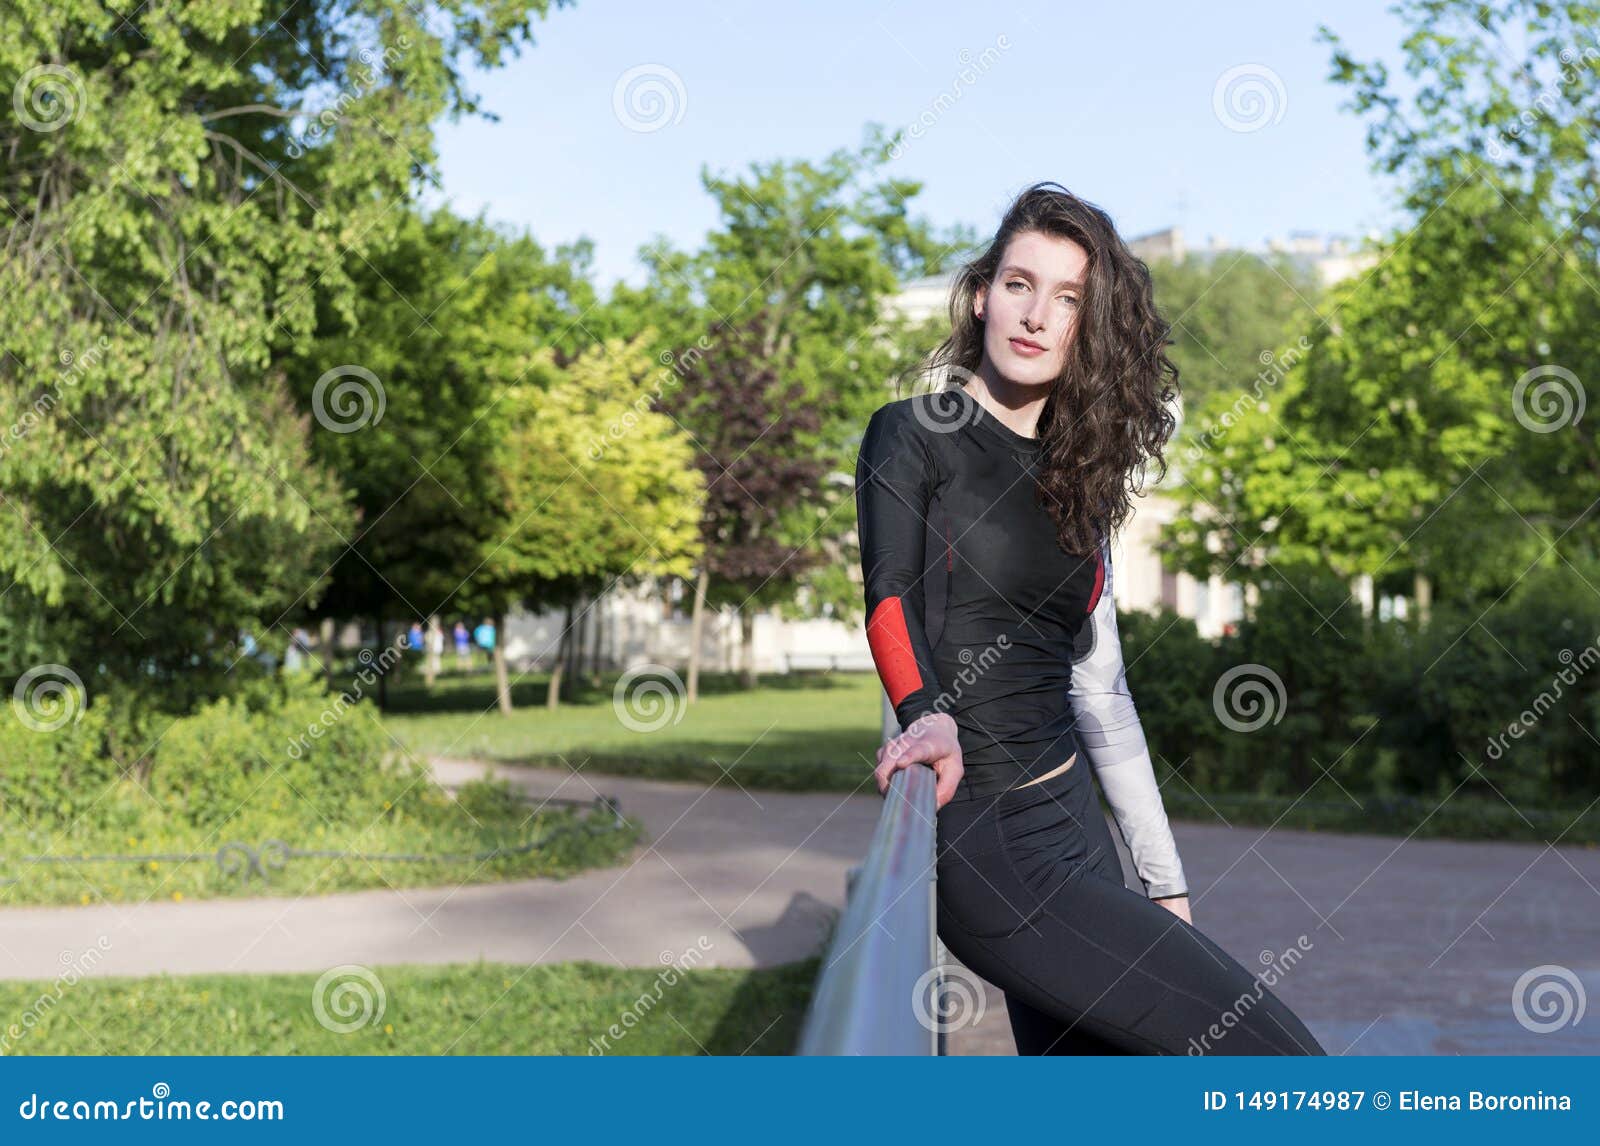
930	740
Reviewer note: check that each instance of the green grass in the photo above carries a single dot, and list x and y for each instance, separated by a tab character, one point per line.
819	731
486	818
801	732
483	1008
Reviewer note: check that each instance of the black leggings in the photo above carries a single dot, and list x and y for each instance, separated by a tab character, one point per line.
1030	896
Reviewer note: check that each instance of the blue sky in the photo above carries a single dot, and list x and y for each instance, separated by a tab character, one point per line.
1116	102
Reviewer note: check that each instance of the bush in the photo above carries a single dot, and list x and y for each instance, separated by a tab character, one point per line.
54	776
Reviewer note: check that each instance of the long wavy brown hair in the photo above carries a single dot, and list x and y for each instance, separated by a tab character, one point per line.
1107	414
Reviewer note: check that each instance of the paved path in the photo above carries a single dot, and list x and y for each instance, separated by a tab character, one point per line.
1410	946
744	879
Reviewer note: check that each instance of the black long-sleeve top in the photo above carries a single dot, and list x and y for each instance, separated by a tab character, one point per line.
974	609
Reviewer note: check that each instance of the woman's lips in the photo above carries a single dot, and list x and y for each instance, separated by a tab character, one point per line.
1026	349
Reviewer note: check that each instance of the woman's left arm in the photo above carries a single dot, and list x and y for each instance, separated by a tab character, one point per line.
1110	733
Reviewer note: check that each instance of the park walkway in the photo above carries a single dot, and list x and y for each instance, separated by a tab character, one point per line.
1407	946
738	879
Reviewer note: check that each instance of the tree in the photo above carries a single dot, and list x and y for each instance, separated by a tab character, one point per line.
803	260
181	185
446	321
1431	433
596	488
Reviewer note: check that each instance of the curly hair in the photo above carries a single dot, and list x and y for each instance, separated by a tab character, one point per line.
1107	412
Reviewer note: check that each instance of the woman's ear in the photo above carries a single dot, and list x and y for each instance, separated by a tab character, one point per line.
979	297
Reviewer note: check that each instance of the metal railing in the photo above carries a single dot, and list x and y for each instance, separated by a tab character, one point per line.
883	963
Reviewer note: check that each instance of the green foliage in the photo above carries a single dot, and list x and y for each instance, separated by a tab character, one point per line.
1229	313
1501	702
1433	429
288	761
184	185
596	484
448	320
803	261
1170	669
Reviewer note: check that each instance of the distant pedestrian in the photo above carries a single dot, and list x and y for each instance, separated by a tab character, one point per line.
484	636
463	646
435	646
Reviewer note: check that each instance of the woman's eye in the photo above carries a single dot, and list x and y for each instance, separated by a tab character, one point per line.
1016	283
1073	299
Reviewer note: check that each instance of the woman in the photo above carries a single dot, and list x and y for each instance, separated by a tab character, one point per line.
985	514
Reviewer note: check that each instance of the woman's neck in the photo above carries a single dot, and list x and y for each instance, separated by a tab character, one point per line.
1017	405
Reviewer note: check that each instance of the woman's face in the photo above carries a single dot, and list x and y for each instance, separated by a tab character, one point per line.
1030	312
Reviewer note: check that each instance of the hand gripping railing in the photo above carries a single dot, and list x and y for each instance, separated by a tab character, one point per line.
882	965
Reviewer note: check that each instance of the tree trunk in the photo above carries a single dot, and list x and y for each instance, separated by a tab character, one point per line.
502	679
747	641
432	651
552	697
579	640
325	638
1424	592
599	637
696	627
383	677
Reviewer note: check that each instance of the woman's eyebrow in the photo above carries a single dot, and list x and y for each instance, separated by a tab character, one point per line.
1013	269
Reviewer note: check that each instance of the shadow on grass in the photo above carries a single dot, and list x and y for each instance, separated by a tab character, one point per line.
766	1012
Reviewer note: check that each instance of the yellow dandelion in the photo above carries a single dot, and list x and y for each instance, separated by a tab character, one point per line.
154	865
177	896
388	1028
84	898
